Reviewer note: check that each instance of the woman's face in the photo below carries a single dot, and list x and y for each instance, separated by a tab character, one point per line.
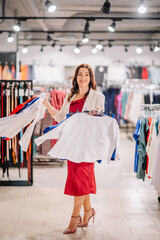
83	77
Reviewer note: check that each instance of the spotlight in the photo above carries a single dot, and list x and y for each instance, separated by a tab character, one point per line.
10	38
60	49
42	49
49	38
50	6
142	8
151	47
17	26
76	49
109	44
54	44
94	50
157	48
111	28
106	7
85	39
126	49
139	50
25	50
87	28
99	46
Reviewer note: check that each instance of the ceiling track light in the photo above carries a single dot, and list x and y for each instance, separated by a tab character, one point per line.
157	47
42	48
53	44
49	38
94	50
87	28
25	50
126	48
10	38
109	44
142	8
17	26
139	50
111	27
85	39
106	7
50	6
99	46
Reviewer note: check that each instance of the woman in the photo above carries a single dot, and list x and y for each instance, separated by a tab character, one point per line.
81	179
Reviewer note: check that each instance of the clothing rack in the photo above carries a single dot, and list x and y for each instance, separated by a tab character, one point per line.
23	89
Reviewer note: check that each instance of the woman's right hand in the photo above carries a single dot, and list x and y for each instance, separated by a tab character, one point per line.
45	102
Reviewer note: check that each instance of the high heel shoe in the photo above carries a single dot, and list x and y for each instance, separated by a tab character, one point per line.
93	215
71	231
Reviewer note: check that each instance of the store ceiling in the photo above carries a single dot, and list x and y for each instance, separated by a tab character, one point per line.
128	31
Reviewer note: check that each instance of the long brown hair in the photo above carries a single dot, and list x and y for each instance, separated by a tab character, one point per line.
75	87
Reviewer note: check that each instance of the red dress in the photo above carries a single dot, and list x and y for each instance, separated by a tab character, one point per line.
81	178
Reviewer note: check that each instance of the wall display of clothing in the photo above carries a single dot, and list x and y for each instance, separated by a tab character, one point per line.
26	72
56	99
13	93
7	65
126	105
147	147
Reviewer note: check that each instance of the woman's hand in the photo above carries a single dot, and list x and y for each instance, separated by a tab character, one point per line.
45	102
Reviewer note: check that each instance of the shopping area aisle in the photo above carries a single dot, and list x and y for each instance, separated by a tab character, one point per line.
126	208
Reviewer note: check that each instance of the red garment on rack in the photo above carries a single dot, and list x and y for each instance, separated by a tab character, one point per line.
57	99
81	178
144	73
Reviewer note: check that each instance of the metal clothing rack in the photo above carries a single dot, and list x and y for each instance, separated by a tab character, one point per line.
9	182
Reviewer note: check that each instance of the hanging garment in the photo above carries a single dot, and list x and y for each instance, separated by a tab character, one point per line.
1	71
156	175
99	134
11	125
151	146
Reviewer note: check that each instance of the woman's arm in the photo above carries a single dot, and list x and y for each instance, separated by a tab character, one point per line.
47	104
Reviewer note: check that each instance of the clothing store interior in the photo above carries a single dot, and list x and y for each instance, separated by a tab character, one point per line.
106	154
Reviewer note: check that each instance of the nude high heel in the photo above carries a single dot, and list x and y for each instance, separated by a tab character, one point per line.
93	215
71	231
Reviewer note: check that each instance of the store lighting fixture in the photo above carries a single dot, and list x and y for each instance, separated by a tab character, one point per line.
99	46
42	48
17	26
142	8
10	38
54	44
106	7
109	44
25	50
139	50
126	49
111	27
76	49
157	48
94	50
151	47
60	49
50	6
85	39
87	28
49	38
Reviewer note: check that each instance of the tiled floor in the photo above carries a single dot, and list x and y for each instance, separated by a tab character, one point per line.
126	208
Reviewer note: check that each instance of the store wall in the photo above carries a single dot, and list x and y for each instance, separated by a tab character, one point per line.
110	56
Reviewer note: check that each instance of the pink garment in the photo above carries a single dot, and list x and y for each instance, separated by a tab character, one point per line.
119	104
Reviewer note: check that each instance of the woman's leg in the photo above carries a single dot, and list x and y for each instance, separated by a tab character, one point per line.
78	202
87	208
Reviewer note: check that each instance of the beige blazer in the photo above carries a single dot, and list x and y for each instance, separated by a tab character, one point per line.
94	101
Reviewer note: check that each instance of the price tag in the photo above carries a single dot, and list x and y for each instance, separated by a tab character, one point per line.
26	93
21	92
